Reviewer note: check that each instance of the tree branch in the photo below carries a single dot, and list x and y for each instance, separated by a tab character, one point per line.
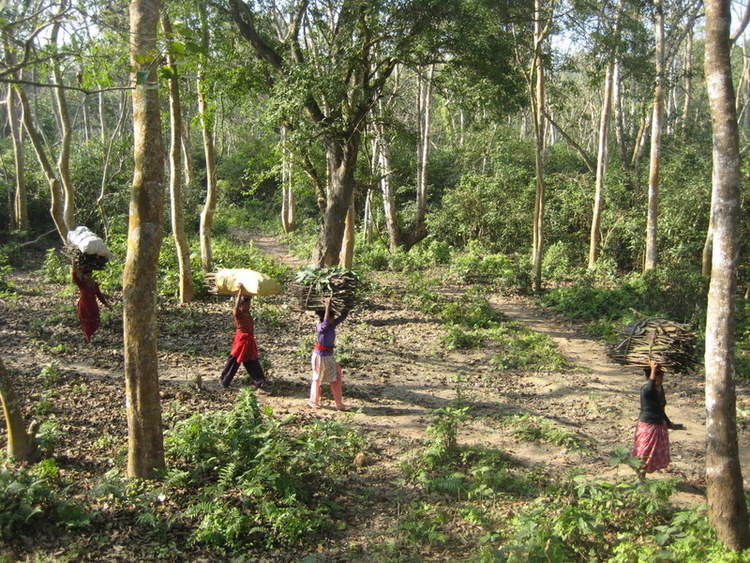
587	160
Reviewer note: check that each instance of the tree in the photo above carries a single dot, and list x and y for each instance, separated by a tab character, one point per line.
145	438
207	133
656	130
175	169
22	444
727	510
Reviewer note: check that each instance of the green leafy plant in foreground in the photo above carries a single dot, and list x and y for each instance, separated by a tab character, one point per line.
29	501
259	481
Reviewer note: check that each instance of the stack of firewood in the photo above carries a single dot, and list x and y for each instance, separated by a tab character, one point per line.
84	260
670	344
313	285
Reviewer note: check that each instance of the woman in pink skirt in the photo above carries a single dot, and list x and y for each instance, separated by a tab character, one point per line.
651	432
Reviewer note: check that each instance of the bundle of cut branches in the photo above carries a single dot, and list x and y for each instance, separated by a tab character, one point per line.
669	343
313	285
84	260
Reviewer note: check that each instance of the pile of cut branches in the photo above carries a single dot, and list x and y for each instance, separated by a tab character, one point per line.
669	343
84	260
312	285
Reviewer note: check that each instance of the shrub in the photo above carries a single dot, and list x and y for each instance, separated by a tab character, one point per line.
258	481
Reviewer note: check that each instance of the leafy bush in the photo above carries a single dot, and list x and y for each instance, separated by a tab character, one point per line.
30	503
586	520
54	269
259	484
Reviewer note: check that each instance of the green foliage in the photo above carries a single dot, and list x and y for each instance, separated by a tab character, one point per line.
29	501
587	520
537	429
456	338
677	295
479	265
522	348
50	375
7	287
54	269
259	483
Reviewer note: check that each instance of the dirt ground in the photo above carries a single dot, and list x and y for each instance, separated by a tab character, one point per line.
399	372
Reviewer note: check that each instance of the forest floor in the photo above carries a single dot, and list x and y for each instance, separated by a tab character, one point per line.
399	371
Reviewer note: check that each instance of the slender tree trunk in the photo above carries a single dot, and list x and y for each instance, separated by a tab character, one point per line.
175	174
66	138
389	198
102	128
727	510
187	152
288	207
656	128
56	195
20	199
601	165
105	168
688	82
145	438
22	444
346	257
424	107
538	106
207	122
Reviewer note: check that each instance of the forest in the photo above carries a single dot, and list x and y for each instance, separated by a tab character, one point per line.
503	197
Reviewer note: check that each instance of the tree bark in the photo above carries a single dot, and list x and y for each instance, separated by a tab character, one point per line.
175	174
288	207
56	195
346	257
424	107
727	510
20	198
383	151
66	137
656	128
341	160
541	27
601	164
145	439
209	151
22	444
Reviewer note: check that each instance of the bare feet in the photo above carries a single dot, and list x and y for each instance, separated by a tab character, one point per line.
313	405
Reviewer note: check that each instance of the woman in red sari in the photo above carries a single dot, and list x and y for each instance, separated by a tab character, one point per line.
651	433
89	296
244	349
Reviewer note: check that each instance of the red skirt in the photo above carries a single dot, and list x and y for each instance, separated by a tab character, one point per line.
244	347
88	313
651	446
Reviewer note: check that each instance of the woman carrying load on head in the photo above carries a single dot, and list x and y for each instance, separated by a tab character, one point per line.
324	366
89	296
244	349
651	432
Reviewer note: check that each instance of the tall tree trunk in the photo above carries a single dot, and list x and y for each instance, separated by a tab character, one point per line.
20	199
424	107
56	195
601	165
66	137
538	107
383	151
341	161
346	256
656	127
22	444
175	173
727	510
105	168
102	129
145	438
207	120
288	207
187	152
688	82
